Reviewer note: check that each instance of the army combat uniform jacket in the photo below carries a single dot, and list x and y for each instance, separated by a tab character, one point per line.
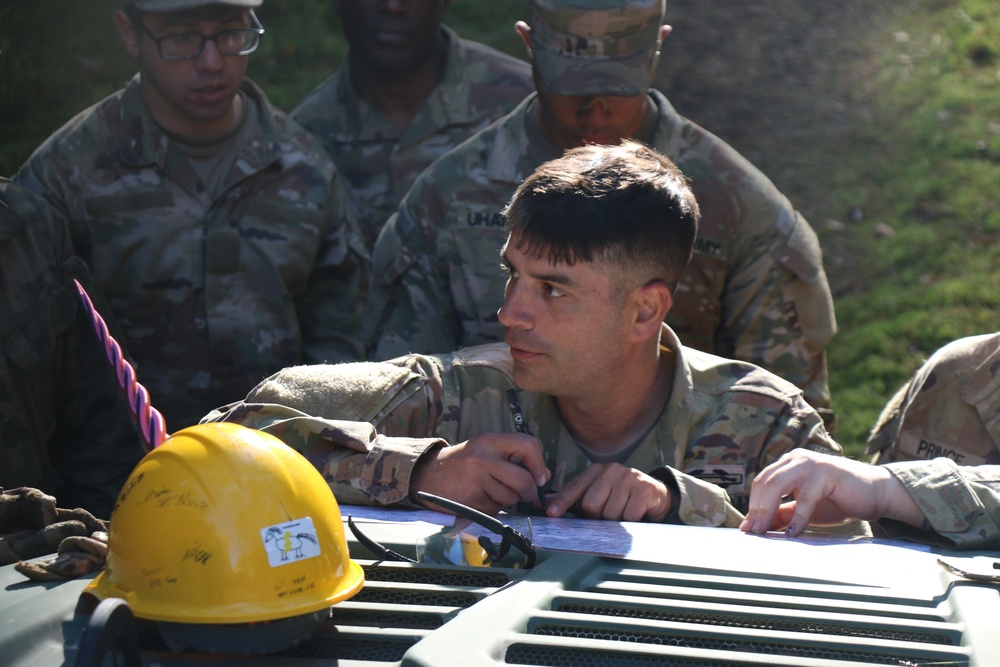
755	289
378	158
725	420
950	408
212	295
961	503
65	426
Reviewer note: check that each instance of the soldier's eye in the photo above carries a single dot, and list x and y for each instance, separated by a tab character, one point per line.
553	291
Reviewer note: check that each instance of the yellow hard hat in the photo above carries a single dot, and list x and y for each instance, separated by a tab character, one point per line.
225	524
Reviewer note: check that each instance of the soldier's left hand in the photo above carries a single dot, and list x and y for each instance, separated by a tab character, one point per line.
613	492
826	490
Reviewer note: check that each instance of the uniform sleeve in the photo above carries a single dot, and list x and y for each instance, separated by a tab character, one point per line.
697	502
409	304
778	309
364	426
961	503
331	312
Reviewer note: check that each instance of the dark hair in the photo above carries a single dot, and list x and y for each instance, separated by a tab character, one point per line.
624	205
203	13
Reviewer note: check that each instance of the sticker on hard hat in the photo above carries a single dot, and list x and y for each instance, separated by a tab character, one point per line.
290	542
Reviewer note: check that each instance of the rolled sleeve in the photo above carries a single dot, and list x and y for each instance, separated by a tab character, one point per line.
961	504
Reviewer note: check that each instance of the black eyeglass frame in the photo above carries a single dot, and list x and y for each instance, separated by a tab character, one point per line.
257	28
509	536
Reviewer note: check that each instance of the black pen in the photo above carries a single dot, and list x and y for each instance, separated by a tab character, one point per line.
522	427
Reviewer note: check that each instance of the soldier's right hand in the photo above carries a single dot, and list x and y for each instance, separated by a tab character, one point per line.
488	472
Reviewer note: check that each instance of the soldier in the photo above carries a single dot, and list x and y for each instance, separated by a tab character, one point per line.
933	501
213	223
628	424
755	289
409	89
950	408
65	426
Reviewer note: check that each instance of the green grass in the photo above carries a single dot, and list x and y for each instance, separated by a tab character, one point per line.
930	169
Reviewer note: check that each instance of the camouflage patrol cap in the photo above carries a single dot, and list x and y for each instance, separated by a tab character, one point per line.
167	6
596	47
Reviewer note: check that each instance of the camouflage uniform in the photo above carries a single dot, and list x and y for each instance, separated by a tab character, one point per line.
212	295
65	427
731	418
950	408
755	289
379	159
962	503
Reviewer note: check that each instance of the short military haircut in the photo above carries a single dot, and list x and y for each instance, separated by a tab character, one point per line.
217	12
625	206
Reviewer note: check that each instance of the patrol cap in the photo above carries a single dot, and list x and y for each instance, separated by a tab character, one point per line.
167	6
596	47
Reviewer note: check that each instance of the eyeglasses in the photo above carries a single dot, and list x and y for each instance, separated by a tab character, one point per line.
491	553
184	45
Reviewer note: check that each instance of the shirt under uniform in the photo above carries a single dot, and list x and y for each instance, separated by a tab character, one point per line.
65	426
380	159
365	425
755	289
213	292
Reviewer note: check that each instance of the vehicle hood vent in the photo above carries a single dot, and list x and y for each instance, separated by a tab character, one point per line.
399	605
579	610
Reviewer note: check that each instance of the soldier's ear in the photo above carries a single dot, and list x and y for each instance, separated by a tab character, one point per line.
128	34
524	30
651	303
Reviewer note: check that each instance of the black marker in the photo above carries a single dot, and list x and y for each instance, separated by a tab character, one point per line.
522	427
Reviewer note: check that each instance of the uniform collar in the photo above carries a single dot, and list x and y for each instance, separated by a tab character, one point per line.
451	96
674	429
666	134
512	156
516	149
139	142
447	104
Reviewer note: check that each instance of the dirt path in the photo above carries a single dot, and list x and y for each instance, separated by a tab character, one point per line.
772	76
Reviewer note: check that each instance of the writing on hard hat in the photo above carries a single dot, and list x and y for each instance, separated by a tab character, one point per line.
596	47
167	6
225	524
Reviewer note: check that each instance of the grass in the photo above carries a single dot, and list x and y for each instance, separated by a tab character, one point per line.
922	164
929	171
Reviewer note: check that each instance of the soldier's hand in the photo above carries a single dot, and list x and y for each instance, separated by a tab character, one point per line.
826	490
488	472
613	492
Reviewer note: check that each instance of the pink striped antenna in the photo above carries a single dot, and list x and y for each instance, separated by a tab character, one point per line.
152	425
